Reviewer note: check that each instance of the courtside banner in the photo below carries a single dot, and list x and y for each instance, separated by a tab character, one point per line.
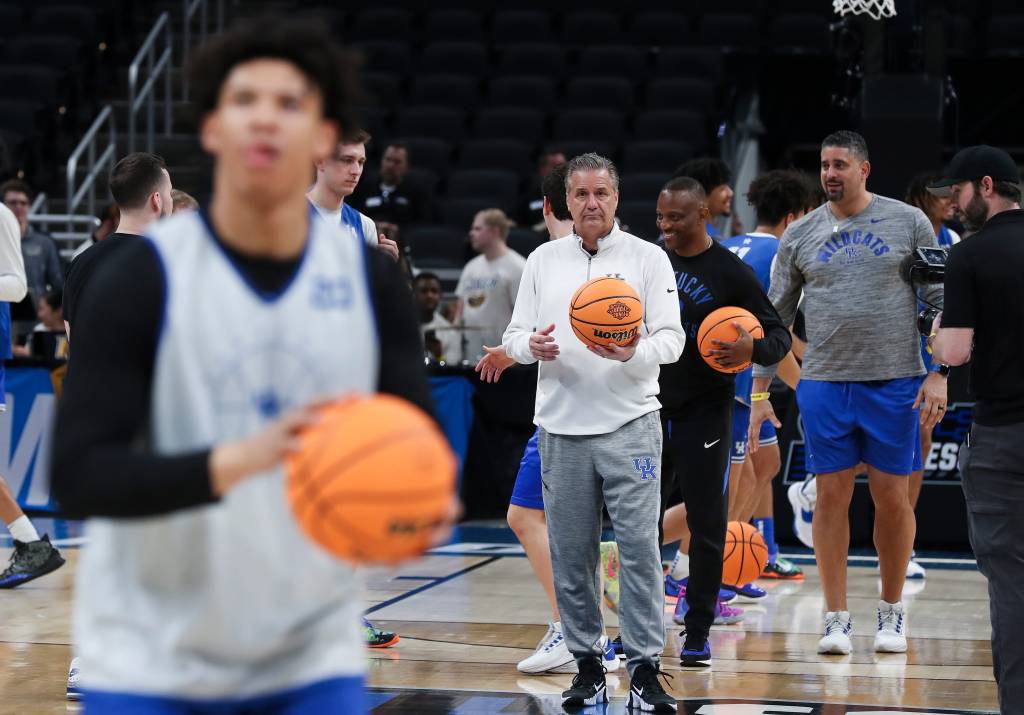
26	432
940	464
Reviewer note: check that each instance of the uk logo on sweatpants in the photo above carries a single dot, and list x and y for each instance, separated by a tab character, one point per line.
646	468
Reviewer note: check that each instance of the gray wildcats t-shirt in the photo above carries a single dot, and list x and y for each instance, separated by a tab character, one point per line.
860	315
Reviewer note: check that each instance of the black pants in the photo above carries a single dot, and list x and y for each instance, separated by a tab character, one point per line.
695	464
993	481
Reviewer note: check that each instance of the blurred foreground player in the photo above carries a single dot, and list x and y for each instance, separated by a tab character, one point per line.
198	356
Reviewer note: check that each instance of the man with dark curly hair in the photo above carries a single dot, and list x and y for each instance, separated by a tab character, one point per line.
199	355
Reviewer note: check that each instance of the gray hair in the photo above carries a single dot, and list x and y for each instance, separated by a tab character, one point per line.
591	162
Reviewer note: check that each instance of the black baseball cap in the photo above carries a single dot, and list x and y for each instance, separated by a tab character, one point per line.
975	162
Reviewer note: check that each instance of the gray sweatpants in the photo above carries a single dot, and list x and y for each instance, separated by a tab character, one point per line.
623	470
993	483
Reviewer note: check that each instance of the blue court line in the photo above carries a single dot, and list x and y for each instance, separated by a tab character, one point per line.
432	584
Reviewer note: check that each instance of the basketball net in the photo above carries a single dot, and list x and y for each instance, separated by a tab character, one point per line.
876	9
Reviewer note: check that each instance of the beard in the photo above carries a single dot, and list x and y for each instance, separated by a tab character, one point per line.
975	213
835	194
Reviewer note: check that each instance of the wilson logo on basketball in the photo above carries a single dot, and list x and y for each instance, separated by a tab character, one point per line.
619	310
616	335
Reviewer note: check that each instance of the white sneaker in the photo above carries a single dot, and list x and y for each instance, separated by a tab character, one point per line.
892	628
915	571
552	654
802	497
836	640
74	675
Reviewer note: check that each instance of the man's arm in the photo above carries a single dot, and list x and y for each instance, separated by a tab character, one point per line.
953	329
98	466
102	464
524	316
13	285
777	341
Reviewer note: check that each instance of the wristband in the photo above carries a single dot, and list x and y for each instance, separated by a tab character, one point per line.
759	396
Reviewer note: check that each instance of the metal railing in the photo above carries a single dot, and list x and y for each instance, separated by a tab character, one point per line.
97	160
40	204
155	68
142	93
191	8
69	239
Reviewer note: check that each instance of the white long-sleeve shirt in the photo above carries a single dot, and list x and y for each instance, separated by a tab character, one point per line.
13	285
580	393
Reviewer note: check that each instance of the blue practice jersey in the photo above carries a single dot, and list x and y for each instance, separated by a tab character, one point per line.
758	251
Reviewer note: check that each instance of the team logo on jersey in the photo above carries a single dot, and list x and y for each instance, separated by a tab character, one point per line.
475	301
845	245
618	310
647	469
332	293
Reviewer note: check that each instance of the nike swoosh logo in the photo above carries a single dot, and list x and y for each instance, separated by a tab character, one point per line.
878	220
671	290
546	471
711	444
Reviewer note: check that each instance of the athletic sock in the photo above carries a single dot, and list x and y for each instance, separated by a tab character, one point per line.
766	526
680	568
22	530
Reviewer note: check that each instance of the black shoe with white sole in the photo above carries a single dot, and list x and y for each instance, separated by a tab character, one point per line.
588	687
646	693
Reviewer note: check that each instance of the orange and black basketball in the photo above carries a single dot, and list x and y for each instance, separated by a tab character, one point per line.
372	480
745	554
606	311
718	326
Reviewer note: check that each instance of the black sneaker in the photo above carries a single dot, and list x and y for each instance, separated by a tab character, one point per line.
588	687
646	693
696	653
30	561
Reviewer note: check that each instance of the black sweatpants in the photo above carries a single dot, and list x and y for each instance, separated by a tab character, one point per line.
993	482
695	467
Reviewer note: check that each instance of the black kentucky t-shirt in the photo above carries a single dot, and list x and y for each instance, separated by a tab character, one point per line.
713	279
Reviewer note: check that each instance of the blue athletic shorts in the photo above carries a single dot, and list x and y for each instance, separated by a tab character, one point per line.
338	696
846	423
527	491
740	424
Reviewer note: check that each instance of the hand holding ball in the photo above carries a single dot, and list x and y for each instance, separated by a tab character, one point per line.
373	481
718	326
606	311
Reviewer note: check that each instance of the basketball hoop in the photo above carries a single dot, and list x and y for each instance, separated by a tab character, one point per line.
875	9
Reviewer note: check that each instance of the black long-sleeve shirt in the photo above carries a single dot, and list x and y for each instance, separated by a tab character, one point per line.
102	465
713	279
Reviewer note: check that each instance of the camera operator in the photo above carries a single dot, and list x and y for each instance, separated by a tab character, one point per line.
982	322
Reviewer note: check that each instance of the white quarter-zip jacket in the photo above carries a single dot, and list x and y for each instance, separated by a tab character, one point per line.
580	393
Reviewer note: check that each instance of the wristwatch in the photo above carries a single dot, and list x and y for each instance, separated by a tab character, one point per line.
943	370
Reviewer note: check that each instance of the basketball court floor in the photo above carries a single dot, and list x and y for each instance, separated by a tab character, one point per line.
467	612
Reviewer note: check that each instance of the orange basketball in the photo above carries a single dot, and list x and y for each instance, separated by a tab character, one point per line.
371	480
745	554
718	326
605	311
